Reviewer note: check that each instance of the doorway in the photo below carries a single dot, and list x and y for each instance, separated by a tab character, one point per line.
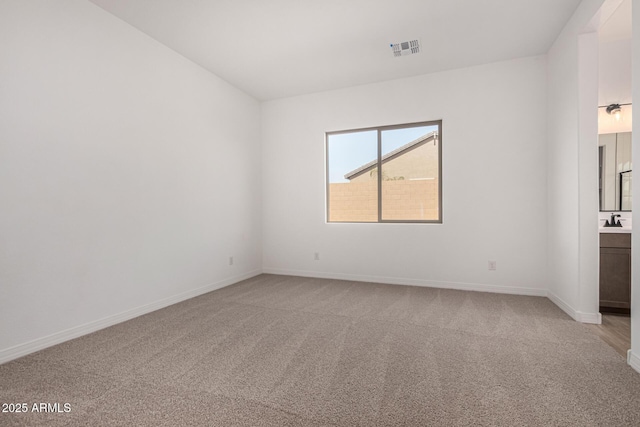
615	172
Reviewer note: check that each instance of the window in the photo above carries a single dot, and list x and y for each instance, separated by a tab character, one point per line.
385	174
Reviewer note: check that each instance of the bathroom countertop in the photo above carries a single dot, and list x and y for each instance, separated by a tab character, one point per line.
614	230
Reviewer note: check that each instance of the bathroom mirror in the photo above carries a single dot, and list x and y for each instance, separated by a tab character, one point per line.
614	171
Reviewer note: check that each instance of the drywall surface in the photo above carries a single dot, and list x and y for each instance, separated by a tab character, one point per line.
494	182
129	174
614	85
634	357
572	168
614	82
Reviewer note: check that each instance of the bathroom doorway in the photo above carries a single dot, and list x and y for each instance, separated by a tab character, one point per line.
615	167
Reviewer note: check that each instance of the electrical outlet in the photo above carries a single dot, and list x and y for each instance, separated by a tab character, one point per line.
230	260
492	265
316	256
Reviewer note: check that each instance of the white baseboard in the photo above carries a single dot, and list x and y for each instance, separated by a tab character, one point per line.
633	360
411	282
594	318
579	316
59	337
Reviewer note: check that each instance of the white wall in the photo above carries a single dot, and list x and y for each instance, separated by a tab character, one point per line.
494	182
634	356
128	174
572	167
614	85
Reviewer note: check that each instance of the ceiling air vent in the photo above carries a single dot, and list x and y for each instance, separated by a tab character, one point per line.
406	48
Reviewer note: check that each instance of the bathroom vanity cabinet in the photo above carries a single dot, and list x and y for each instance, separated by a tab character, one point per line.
615	272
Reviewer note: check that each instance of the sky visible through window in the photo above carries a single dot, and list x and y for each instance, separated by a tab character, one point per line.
349	151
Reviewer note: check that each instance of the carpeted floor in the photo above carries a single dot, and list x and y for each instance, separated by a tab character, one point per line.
291	351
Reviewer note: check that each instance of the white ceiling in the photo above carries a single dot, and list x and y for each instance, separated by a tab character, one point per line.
279	48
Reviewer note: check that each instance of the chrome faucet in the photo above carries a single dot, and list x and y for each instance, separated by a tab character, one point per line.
613	222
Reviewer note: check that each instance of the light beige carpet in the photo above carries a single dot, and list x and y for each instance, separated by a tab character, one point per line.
280	351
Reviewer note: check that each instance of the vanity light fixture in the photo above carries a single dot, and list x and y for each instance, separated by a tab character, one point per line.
614	110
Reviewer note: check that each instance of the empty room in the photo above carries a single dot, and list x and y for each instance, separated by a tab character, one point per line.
318	213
